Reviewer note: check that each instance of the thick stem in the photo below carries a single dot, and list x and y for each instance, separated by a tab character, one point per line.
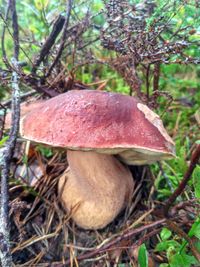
95	188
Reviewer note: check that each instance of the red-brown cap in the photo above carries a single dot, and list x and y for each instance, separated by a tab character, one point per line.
24	109
105	122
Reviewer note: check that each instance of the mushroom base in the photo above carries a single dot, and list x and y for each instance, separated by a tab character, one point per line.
95	188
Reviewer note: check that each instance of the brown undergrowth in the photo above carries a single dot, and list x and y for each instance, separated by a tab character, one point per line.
42	234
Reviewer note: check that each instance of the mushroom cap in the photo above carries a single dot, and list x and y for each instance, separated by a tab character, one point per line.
105	122
24	109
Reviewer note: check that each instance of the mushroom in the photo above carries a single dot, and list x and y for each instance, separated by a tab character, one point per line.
96	188
101	132
25	107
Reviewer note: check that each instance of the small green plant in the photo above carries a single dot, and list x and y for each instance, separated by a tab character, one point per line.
3	140
196	183
177	250
143	256
45	151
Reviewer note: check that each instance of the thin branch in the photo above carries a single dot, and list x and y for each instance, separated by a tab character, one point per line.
123	236
146	237
174	227
12	36
64	36
194	161
5	59
147	80
22	97
6	156
37	85
2	120
7	153
15	29
156	76
5	254
57	27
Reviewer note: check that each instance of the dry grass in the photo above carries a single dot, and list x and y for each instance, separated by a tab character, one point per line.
42	234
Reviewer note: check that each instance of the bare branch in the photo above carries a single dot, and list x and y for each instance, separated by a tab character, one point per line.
174	227
5	254
64	36
156	76
15	29
5	59
123	236
57	27
138	33
2	120
194	161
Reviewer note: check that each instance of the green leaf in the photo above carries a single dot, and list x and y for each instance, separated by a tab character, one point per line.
195	229
165	234
167	244
180	260
196	181
165	192
41	4
45	151
25	159
180	161
197	245
143	256
3	140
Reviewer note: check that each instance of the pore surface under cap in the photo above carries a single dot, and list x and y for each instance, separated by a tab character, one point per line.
96	120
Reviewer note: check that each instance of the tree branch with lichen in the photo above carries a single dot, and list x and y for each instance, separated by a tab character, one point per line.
7	151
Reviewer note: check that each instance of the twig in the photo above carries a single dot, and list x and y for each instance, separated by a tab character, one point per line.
174	227
183	205
57	27
156	76
5	59
147	80
15	29
169	183
146	237
68	11
22	97
7	153
5	255
123	236
194	160
2	120
12	36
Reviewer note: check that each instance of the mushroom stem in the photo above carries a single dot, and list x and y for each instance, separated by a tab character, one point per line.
97	186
